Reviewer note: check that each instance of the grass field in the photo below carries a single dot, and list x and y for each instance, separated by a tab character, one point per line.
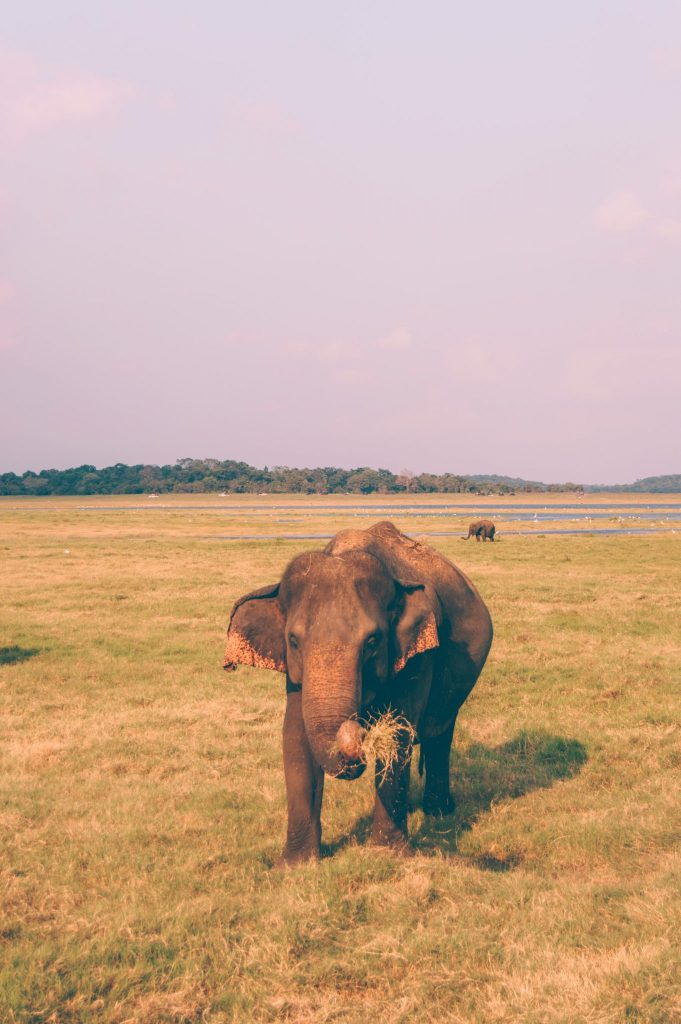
142	800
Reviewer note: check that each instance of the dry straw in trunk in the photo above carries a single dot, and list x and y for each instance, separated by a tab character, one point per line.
387	738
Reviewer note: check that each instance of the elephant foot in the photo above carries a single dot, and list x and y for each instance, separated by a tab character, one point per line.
391	839
437	806
303	844
294	858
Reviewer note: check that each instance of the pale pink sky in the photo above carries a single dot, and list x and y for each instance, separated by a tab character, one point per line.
435	236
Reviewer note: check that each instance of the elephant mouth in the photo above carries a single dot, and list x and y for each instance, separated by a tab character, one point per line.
348	770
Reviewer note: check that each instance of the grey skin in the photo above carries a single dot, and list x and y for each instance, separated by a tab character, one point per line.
481	529
376	620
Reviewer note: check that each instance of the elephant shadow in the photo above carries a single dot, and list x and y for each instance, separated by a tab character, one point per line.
13	655
480	777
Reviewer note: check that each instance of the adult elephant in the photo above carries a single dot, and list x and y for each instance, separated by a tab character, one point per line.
482	529
374	621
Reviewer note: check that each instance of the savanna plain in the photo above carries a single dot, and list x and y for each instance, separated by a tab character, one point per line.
142	799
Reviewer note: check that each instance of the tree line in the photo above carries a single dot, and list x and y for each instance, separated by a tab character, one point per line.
229	477
670	483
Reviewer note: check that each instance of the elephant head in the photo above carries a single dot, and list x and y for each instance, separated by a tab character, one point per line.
342	627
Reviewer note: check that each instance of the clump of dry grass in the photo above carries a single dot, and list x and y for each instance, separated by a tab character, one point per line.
386	739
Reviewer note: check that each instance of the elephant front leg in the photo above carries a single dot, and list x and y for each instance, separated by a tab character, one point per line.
304	789
437	798
390	809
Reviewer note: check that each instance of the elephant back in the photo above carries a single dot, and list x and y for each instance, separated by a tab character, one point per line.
464	615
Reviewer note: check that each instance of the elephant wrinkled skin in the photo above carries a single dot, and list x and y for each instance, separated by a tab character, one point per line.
374	621
481	529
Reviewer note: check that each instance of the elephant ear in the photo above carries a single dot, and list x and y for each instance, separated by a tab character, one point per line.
256	632
415	630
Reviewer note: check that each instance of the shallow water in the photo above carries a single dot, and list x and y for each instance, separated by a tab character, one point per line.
672	508
625	531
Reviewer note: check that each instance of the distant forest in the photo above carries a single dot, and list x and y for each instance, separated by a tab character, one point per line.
669	484
212	475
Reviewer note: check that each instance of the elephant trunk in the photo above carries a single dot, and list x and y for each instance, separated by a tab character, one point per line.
330	708
349	739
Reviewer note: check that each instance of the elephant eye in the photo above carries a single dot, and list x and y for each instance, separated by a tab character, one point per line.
293	641
371	642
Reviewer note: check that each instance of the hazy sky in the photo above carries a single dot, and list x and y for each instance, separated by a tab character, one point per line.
435	236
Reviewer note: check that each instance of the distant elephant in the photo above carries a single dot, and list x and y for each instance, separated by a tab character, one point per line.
482	529
374	621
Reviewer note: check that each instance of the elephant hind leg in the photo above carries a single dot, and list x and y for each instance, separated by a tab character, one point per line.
437	798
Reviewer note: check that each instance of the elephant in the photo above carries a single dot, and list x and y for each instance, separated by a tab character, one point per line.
482	529
373	621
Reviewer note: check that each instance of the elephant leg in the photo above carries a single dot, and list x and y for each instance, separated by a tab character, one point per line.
390	808
304	788
437	798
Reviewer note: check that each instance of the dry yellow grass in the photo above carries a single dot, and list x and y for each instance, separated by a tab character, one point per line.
142	801
385	737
